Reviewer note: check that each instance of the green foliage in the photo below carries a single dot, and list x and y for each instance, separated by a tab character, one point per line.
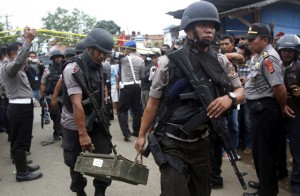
110	26
74	21
5	36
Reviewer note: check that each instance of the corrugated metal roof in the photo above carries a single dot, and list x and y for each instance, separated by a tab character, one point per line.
228	6
248	7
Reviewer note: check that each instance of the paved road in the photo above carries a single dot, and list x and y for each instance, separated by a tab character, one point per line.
56	179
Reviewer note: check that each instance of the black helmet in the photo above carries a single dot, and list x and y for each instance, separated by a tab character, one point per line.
101	39
200	11
55	53
69	52
291	41
80	47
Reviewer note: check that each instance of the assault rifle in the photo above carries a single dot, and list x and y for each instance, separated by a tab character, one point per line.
98	113
203	93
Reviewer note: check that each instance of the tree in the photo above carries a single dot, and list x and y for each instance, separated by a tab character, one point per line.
7	37
110	26
74	21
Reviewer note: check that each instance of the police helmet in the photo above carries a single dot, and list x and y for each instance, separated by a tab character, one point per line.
200	11
290	41
56	53
80	47
69	52
100	39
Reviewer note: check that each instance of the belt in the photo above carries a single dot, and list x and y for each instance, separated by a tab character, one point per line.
177	132
21	101
130	83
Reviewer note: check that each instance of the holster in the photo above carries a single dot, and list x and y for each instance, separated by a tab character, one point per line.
158	154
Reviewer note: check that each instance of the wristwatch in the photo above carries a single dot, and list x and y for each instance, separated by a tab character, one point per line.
232	96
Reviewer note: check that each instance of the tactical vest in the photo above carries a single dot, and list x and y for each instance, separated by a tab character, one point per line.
211	74
291	76
55	72
92	77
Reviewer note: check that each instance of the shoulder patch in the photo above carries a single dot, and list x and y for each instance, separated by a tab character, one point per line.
75	68
233	71
269	66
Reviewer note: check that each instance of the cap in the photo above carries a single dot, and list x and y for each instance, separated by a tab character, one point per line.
258	29
130	44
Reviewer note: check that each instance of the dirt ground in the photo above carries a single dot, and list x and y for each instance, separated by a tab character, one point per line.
284	183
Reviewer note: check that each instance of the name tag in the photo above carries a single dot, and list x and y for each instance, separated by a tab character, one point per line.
36	78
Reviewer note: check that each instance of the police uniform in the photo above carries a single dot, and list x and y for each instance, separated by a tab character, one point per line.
192	152
71	143
130	94
50	77
265	114
19	111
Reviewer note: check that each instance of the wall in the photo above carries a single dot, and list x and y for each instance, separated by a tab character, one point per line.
285	15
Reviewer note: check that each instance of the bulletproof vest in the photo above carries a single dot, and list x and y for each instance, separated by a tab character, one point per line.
145	82
215	79
291	76
55	72
93	79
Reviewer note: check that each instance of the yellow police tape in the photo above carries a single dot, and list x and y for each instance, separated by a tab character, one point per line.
71	36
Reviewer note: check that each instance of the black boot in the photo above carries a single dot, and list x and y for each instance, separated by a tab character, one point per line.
81	193
100	191
32	168
21	166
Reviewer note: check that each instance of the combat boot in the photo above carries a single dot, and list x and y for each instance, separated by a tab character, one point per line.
81	193
100	191
21	166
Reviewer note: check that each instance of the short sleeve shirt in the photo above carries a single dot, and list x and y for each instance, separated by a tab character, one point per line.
67	118
266	72
161	77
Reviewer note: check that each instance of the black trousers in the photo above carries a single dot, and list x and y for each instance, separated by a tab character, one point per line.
20	117
72	149
130	97
55	114
265	117
196	156
215	153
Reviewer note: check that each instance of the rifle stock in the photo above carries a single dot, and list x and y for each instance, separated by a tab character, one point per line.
97	110
203	93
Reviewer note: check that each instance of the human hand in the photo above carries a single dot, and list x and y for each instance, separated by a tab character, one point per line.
85	141
53	102
29	33
295	90
288	112
218	106
140	143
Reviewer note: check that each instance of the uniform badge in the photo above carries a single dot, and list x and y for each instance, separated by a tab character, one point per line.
256	65
76	68
269	66
265	54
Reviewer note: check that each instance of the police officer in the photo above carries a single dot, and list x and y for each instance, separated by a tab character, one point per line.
50	77
20	108
200	21
80	47
69	53
76	136
288	49
130	90
266	98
